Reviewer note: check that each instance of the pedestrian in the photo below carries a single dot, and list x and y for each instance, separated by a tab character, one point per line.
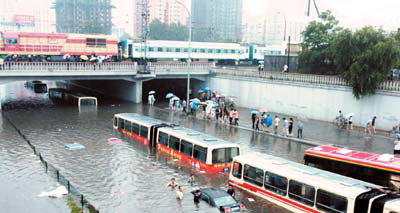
231	116
276	124
285	68
172	183
226	114
373	124
235	117
257	123
300	126
368	127
197	196
170	103
285	127
192	179
184	106
350	122
231	190
253	120
179	193
396	149
1	63
262	121
290	127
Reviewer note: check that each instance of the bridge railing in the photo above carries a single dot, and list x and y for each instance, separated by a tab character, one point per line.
332	80
183	67
73	66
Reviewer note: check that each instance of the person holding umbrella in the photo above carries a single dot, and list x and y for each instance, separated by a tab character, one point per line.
151	98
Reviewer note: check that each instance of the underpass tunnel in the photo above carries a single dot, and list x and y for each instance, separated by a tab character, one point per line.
176	86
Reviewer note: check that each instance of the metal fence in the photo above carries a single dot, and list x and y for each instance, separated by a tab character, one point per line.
332	80
76	196
62	66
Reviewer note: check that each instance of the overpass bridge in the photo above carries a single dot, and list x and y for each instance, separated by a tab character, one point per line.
125	79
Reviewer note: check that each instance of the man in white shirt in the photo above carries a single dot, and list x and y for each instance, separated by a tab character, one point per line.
276	124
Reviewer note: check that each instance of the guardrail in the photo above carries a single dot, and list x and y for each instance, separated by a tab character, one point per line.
183	67
332	80
74	66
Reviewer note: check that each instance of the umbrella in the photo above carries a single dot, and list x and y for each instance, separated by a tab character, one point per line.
255	112
350	114
175	98
206	89
195	101
200	91
169	95
152	92
84	57
263	110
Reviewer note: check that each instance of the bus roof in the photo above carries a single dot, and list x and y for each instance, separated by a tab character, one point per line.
328	181
201	139
139	119
379	161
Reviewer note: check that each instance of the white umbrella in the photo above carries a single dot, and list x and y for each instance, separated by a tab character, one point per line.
175	98
152	92
169	95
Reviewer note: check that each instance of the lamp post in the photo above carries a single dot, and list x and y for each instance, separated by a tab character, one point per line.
189	51
284	29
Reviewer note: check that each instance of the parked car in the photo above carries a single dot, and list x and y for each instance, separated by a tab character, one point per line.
221	199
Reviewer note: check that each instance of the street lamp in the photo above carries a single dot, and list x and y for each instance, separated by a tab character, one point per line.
189	51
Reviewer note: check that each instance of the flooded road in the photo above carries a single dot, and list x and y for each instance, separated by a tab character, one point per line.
120	177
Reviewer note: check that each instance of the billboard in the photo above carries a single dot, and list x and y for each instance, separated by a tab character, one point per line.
24	19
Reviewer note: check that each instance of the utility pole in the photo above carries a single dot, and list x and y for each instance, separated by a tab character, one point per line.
288	55
145	31
315	6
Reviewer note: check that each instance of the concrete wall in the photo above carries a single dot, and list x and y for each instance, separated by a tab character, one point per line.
311	101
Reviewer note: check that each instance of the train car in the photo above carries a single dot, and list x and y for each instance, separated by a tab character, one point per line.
55	46
191	148
160	50
300	188
375	168
36	86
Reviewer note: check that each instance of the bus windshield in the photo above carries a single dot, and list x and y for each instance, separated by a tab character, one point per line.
224	155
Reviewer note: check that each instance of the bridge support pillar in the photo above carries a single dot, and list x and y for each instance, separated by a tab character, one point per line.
137	91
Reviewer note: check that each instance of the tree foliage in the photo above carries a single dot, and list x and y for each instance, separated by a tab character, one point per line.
162	31
317	53
364	58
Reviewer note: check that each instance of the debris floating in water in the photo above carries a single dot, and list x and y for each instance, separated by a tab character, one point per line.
74	146
250	199
56	193
114	140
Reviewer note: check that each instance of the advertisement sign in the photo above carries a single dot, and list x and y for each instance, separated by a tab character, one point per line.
23	19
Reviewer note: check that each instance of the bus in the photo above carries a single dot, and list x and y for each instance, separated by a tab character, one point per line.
66	96
36	86
198	150
380	169
300	188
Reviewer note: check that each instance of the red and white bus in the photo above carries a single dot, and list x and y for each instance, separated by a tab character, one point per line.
300	188
380	169
195	149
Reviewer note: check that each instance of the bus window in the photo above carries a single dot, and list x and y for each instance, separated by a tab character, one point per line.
186	148
224	155
237	170
253	175
276	183
163	138
200	153
115	121
143	131
128	126
121	123
174	143
301	192
329	202
135	128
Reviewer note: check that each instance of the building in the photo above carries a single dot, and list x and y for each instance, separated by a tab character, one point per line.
222	18
254	32
27	16
83	16
167	11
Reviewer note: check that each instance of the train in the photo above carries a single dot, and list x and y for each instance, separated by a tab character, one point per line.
57	47
27	46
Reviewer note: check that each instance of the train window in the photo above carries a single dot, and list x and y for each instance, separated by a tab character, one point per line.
224	155
237	170
253	175
169	50
233	51
194	50
226	51
202	50
218	51
174	143
177	50
276	183
163	138
115	118
210	50
185	50
247	50
128	126
186	148
121	123
200	153
330	202
151	49
301	192
11	41
143	131
101	42
159	49
91	42
135	128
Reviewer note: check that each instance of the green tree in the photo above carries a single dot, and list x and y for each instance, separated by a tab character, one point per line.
317	55
162	31
364	58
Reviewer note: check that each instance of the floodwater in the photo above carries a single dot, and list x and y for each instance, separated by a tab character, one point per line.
120	177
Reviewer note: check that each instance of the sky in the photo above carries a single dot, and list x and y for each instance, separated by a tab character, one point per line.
350	13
